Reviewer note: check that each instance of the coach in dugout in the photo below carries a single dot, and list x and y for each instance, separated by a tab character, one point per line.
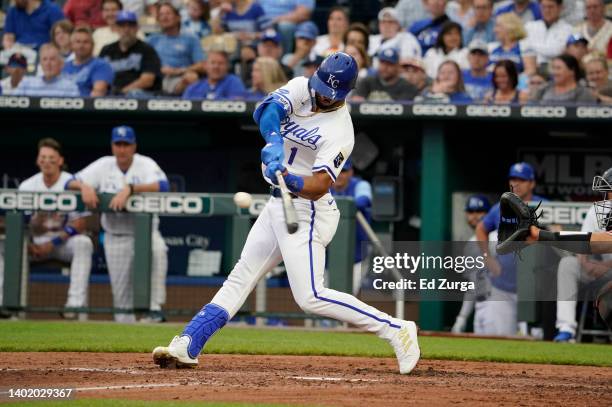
497	315
56	235
123	174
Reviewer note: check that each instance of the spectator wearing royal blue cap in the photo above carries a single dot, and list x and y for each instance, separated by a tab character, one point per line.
51	83
29	23
498	314
526	10
270	46
285	16
311	64
577	46
305	39
94	76
244	18
427	30
136	64
476	207
218	83
347	184
16	69
477	79
387	84
337	26
181	55
482	28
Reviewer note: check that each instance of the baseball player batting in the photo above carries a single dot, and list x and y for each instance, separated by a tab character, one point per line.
309	135
124	173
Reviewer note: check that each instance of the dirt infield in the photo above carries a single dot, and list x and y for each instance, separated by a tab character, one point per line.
330	381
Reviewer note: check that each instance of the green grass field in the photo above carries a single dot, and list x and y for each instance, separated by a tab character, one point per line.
39	336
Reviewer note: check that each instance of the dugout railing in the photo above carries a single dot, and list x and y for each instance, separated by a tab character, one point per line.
144	206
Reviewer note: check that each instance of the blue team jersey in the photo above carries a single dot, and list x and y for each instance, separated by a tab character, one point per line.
514	54
177	51
531	13
361	191
230	87
477	86
275	8
85	75
427	30
507	280
33	29
251	21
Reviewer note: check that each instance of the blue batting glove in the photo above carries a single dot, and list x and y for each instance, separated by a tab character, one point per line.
271	171
272	152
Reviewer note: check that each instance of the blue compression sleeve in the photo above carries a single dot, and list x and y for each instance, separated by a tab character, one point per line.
268	116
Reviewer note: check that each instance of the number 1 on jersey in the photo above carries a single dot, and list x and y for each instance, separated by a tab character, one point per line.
292	155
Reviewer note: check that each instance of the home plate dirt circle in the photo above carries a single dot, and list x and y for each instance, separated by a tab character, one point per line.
307	380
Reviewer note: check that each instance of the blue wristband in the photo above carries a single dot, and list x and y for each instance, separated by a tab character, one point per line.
56	241
70	231
295	183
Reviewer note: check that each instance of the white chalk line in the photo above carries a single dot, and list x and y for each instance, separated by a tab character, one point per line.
331	379
74	369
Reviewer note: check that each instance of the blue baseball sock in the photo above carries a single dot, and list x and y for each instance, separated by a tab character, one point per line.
203	326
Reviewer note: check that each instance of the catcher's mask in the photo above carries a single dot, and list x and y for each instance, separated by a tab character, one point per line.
603	208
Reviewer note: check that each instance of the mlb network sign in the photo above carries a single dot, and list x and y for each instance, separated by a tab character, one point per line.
169	204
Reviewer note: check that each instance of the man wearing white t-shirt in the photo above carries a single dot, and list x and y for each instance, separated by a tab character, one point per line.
547	37
123	174
392	36
57	235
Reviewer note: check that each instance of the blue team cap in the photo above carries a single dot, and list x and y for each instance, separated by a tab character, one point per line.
271	35
307	30
126	16
123	134
477	203
576	38
348	164
389	55
522	170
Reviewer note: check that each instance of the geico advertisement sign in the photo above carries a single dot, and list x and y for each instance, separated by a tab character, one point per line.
14	102
230	106
434	110
564	215
171	105
115	104
62	103
38	201
165	204
553	112
383	109
488	111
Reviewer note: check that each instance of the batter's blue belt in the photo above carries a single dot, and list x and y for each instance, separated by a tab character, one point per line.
276	193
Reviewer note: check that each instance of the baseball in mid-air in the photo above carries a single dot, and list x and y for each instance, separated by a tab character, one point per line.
243	199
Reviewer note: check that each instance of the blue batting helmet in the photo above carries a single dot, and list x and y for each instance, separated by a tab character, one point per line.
335	77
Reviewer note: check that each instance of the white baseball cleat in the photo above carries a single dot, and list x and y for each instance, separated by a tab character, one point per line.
175	355
406	346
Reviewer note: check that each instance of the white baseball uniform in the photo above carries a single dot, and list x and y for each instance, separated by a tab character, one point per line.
104	175
313	142
77	250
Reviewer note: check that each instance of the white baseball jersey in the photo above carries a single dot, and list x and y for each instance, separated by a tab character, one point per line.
54	221
313	141
104	175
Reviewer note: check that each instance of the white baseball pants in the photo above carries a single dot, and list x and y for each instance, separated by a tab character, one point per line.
303	252
119	251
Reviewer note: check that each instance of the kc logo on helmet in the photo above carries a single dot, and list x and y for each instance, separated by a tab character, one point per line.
333	81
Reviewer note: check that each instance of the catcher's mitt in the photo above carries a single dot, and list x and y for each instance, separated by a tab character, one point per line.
515	219
604	303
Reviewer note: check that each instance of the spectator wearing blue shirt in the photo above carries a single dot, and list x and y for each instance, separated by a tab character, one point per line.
360	190
51	83
483	23
270	46
93	76
29	22
527	10
427	30
478	80
498	314
181	55
305	39
194	18
244	18
286	15
218	84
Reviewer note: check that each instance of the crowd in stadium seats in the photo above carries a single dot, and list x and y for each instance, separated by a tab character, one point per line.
439	51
